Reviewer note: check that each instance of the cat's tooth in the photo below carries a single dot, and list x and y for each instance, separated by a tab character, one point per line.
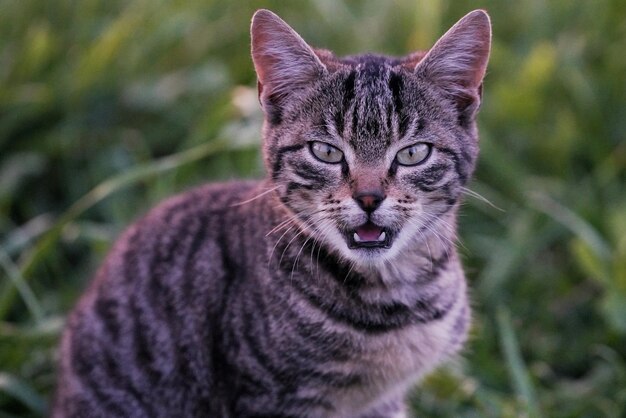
356	237
382	236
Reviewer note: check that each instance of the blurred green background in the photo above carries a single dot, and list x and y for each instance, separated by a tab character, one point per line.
106	107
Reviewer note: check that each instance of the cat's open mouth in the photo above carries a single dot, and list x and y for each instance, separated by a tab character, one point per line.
369	235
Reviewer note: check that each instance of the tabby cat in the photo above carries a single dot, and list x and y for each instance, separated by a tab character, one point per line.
327	289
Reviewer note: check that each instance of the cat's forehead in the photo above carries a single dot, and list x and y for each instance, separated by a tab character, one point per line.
370	110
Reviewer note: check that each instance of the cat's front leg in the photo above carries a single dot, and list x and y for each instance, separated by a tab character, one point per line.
394	408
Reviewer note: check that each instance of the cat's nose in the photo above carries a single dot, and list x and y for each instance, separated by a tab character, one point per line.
369	201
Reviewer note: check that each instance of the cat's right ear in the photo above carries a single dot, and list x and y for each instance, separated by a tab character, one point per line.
285	64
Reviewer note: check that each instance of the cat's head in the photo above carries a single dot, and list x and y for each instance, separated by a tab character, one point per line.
370	152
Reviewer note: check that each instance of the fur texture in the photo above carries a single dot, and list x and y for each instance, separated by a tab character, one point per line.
325	290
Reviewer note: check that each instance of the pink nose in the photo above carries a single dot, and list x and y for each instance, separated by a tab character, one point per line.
369	201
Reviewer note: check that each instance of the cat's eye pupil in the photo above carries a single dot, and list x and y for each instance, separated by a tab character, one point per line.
414	154
326	152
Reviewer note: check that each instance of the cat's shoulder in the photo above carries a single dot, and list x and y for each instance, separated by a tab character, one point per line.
202	210
209	200
189	225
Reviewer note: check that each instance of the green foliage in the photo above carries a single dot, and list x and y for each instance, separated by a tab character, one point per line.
106	107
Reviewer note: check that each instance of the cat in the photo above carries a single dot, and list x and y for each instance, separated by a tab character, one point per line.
326	290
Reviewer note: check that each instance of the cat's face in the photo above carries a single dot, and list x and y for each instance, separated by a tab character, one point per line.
370	152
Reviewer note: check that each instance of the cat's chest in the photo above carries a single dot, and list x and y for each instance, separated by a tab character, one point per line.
402	353
389	364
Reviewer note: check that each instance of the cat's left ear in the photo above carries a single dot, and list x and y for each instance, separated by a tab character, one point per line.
285	64
458	61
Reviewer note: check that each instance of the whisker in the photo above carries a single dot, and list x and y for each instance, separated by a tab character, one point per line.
352	264
255	197
295	263
292	218
480	197
424	223
278	242
288	244
282	225
450	229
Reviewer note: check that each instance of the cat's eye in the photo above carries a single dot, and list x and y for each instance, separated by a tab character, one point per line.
326	152
413	155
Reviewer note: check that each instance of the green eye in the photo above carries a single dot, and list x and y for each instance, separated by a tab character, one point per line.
413	155
326	153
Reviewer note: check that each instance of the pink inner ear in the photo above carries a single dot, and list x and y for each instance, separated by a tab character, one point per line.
259	88
458	60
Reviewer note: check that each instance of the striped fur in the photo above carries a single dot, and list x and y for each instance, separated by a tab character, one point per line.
245	299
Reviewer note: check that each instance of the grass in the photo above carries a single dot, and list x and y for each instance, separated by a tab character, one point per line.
108	107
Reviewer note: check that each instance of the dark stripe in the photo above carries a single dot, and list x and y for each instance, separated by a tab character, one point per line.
95	380
219	342
255	348
465	154
420	123
353	126
132	270
121	381
463	174
254	330
346	103
387	319
433	269
345	169
278	162
348	95
321	127
334	346
396	85
272	110
107	311
393	169
373	128
336	293
250	385
389	119
142	344
130	259
199	238
445	195
173	211
248	413
301	403
368	318
427	179
310	173
292	187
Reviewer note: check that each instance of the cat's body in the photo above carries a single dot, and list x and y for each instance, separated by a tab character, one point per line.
326	290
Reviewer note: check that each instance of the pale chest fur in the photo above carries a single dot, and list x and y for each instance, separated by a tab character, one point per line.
392	362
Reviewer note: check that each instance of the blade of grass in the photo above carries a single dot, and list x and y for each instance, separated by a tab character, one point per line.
21	391
520	377
18	283
571	221
99	193
21	237
47	330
